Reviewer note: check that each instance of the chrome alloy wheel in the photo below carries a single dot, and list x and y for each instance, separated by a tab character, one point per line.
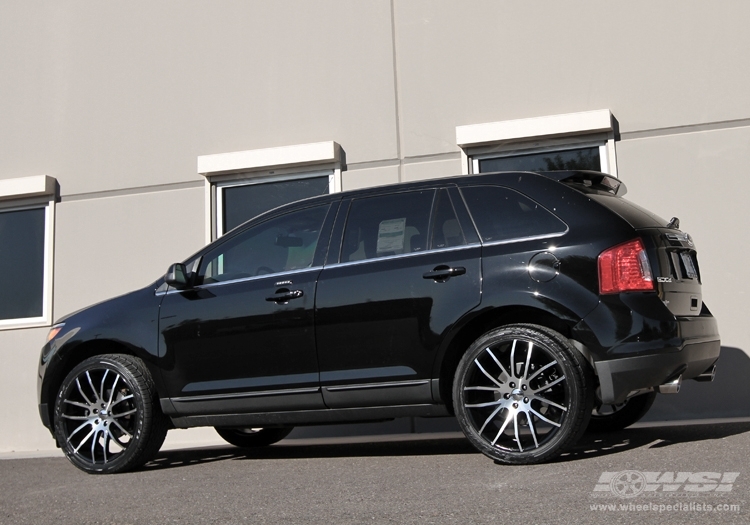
99	415
522	394
516	395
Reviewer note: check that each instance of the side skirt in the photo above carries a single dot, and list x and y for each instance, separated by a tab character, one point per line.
311	417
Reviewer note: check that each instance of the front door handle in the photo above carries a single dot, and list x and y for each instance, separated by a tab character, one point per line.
443	273
284	296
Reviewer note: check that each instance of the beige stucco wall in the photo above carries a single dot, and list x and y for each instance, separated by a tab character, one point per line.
116	101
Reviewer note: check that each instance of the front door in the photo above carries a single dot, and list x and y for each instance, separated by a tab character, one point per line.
242	339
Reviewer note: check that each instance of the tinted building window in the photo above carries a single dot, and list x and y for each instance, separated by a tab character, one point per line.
22	263
278	245
571	159
241	203
502	214
387	225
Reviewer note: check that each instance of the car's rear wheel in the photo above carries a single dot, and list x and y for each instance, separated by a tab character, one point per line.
611	418
253	437
107	416
522	394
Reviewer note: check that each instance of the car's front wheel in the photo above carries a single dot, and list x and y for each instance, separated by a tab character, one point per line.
253	437
522	394
107	415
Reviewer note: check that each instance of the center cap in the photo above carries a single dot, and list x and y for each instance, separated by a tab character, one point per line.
517	394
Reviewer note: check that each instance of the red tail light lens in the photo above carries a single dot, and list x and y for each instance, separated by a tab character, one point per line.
625	268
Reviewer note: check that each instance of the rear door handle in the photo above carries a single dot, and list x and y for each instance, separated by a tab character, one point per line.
284	295
443	273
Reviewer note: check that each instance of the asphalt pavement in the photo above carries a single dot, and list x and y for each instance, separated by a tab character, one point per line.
685	473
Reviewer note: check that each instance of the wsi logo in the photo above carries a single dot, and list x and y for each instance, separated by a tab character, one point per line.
631	483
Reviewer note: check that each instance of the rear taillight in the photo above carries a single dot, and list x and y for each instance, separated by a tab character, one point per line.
625	268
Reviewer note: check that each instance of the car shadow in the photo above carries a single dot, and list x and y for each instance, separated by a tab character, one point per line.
596	445
590	446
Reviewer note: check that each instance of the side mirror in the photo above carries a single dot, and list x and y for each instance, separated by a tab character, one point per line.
176	276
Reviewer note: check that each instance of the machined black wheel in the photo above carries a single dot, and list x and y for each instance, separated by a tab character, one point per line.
611	418
107	417
253	437
522	394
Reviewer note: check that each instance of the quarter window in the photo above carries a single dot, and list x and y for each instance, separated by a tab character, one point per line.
278	245
387	225
502	214
446	231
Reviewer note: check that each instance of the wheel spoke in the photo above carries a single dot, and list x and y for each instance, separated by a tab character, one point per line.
486	388
513	358
82	425
487	404
83	441
133	411
492	416
548	402
548	385
497	362
91	383
537	414
476	361
502	428
528	361
78	383
515	425
545	367
76	403
76	418
93	445
112	392
124	398
130	436
101	385
531	428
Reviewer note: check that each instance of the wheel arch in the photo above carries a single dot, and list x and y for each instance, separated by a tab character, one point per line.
483	323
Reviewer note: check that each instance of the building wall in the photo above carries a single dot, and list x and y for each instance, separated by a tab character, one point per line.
117	101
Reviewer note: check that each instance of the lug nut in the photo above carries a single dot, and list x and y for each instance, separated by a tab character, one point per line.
515	405
524	387
525	399
506	396
513	385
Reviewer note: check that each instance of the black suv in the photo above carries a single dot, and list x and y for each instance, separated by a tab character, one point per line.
529	305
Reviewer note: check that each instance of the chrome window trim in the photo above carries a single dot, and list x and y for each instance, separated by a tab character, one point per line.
529	238
211	397
244	279
403	255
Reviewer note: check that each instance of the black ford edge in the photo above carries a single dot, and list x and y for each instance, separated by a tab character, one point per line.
530	306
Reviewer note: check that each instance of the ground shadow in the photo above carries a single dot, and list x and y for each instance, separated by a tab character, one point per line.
591	445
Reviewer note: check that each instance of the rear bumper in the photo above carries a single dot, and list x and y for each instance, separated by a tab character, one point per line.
635	342
619	377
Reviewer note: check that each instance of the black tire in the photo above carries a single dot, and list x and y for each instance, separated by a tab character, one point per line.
547	395
611	418
107	415
253	437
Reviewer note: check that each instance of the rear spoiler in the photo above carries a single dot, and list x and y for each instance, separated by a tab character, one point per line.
590	179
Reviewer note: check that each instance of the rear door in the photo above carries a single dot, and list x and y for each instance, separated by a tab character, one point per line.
404	275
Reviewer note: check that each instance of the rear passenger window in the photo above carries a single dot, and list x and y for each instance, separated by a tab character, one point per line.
502	214
387	225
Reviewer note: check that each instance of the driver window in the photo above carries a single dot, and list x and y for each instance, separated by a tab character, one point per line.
278	245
